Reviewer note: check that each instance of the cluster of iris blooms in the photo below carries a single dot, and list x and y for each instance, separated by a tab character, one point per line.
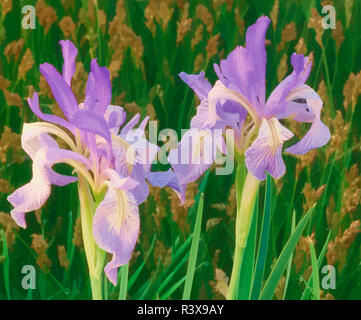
112	159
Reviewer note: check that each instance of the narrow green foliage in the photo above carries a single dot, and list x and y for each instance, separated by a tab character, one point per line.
281	263
315	276
194	251
263	243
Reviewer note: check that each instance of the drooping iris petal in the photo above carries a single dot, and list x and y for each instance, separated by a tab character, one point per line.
277	102
33	195
169	179
144	150
116	228
265	153
98	89
34	106
319	134
69	54
194	155
199	84
60	89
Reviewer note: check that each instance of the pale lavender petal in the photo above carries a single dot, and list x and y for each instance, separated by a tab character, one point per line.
116	227
317	136
277	102
265	153
34	106
35	137
115	116
144	123
60	89
98	90
119	182
58	179
223	104
198	83
304	104
244	69
33	195
141	190
255	46
91	122
69	54
195	154
169	179
130	125
144	150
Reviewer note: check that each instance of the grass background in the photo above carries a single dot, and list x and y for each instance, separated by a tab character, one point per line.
146	46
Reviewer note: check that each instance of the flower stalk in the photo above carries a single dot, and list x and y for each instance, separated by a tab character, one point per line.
246	190
94	255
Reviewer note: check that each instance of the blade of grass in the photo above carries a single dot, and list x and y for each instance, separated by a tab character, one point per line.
263	245
247	268
307	291
177	285
293	227
194	251
136	274
123	282
315	276
280	265
6	265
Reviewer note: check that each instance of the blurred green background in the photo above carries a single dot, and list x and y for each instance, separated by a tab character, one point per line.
145	45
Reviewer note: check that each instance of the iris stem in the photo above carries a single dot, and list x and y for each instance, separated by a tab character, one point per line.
97	287
246	191
94	255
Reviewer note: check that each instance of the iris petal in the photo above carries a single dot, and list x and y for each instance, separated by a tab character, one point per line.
195	154
116	227
265	153
60	89
98	89
199	84
34	106
69	54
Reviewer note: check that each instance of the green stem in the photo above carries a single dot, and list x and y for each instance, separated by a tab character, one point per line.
96	285
246	198
94	255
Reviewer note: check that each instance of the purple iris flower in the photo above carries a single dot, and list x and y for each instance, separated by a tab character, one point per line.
113	158
240	91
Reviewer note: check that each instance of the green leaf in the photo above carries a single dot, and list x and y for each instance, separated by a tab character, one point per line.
247	268
6	265
307	292
315	276
194	251
293	227
123	282
282	260
136	274
177	285
263	244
